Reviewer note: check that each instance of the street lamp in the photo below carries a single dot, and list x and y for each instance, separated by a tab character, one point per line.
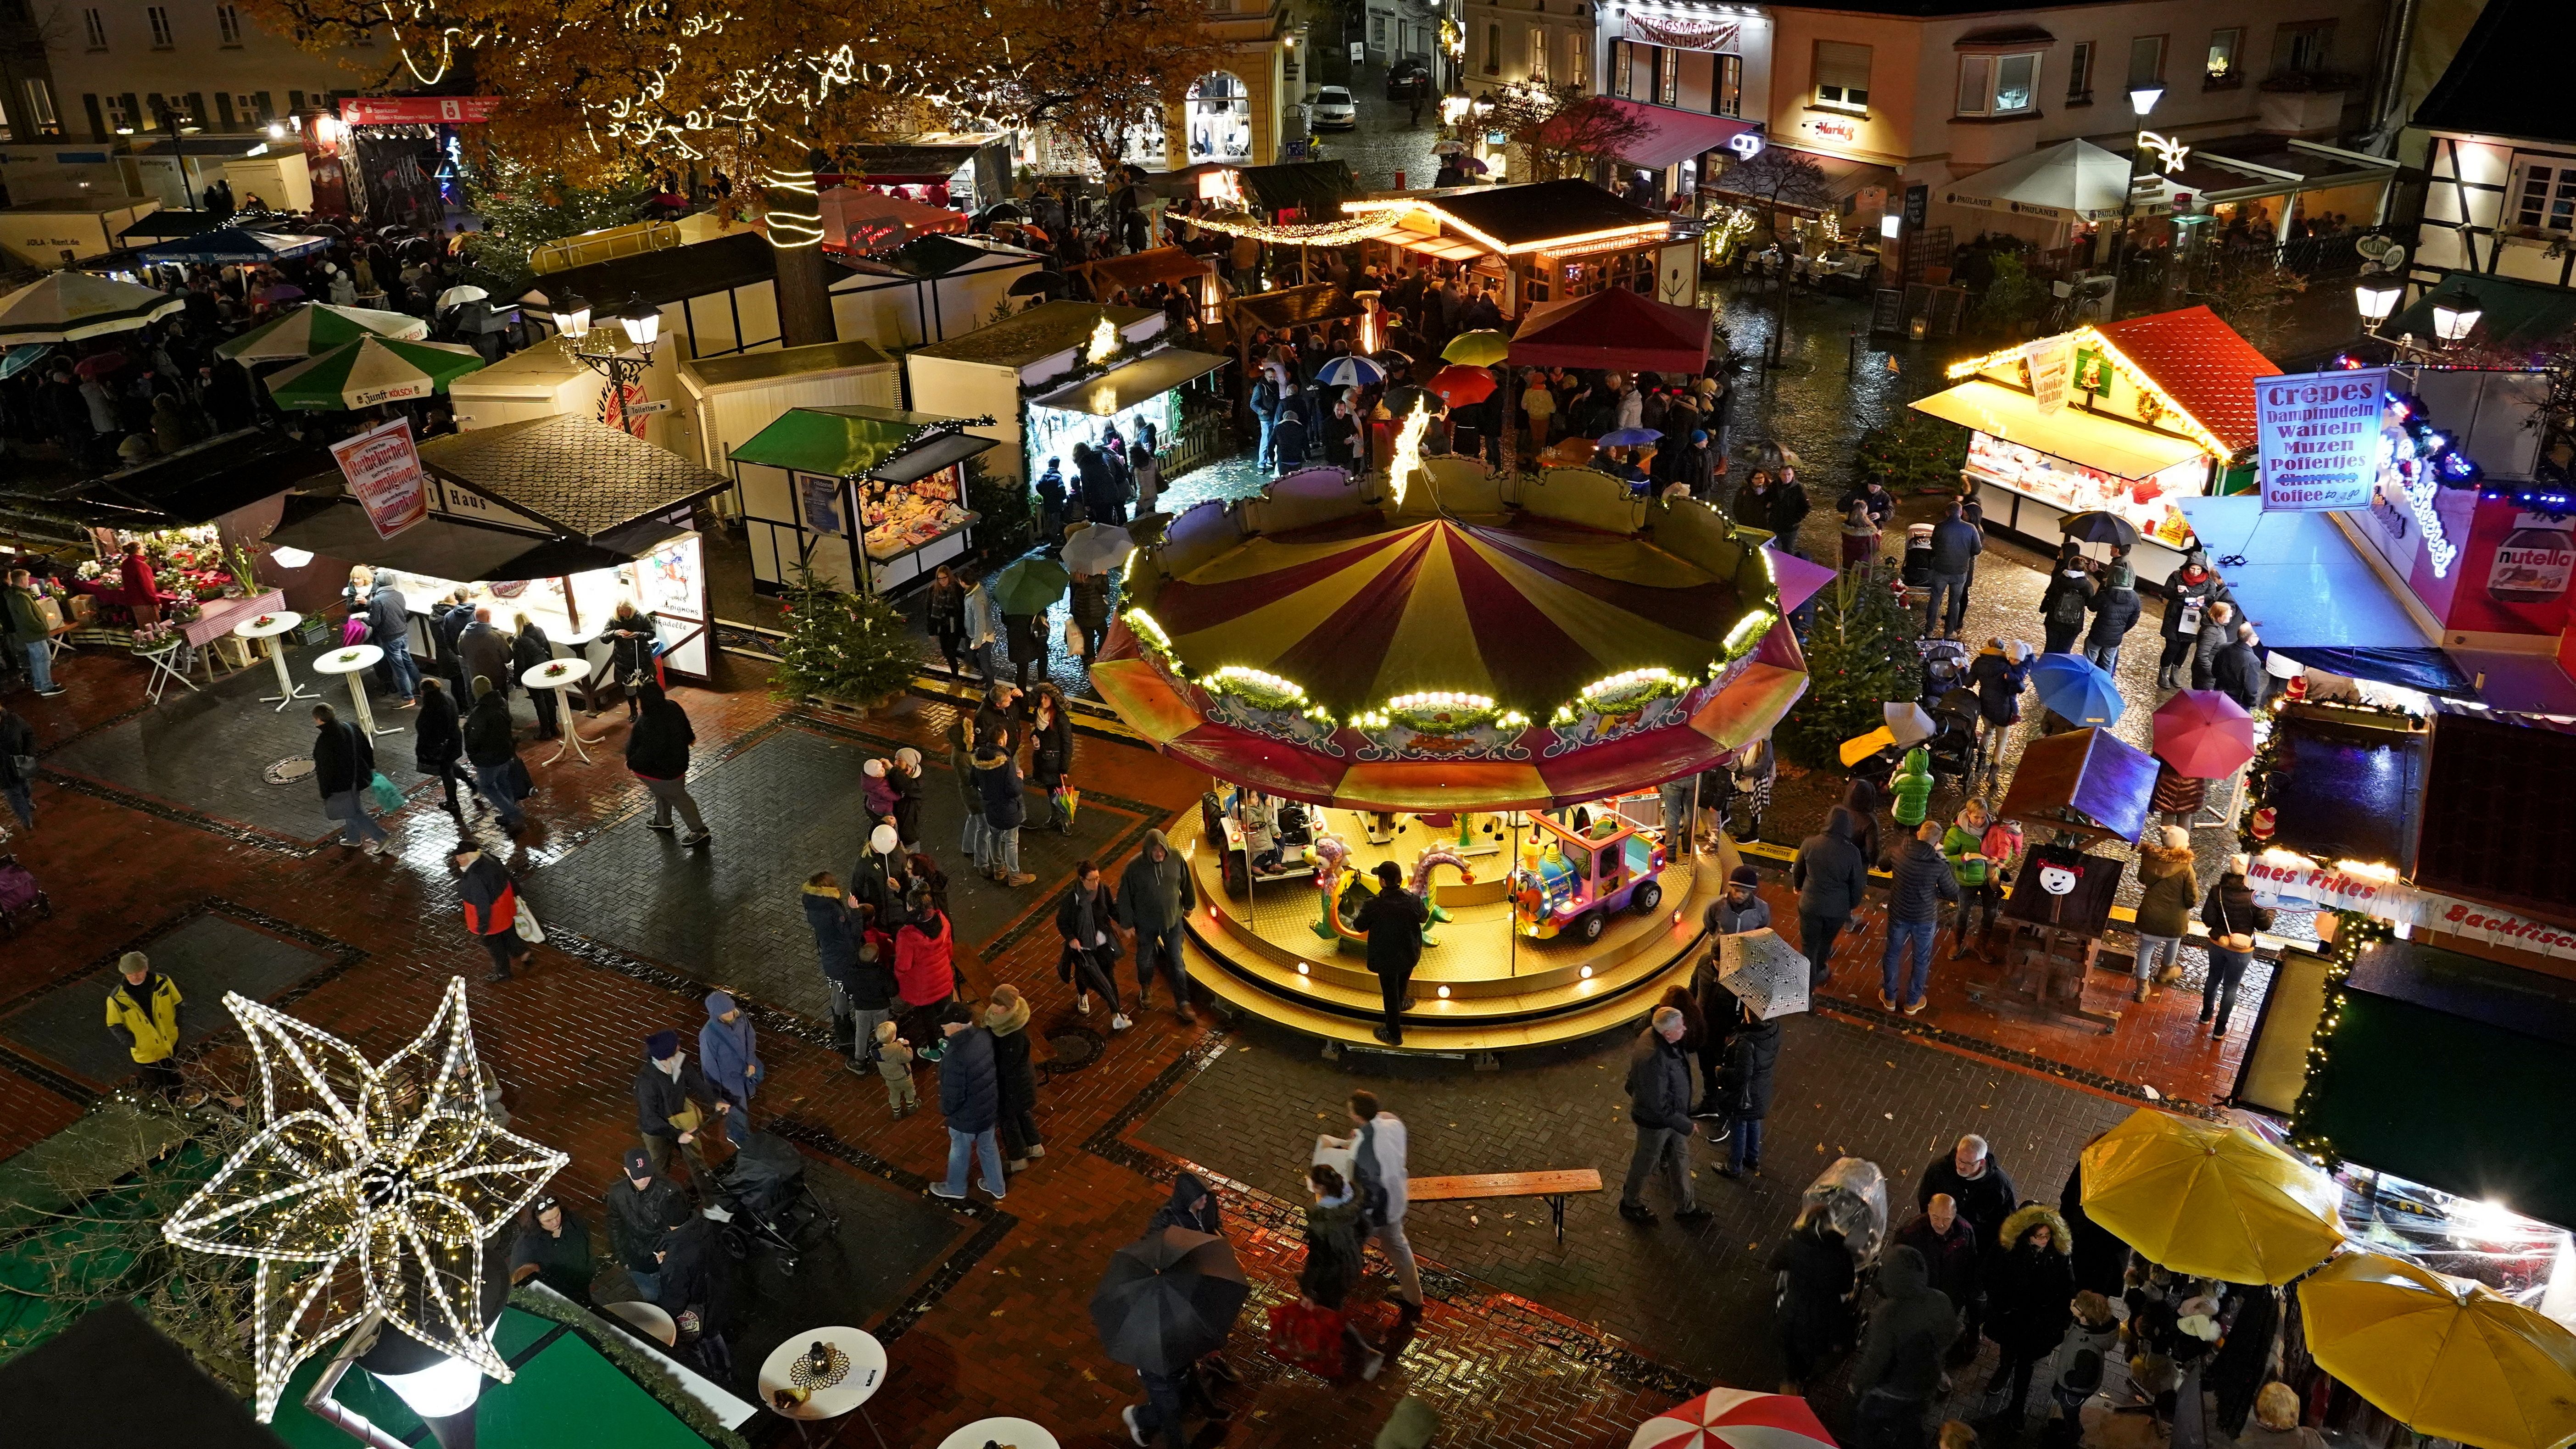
641	326
2142	100
2376	297
572	316
2455	314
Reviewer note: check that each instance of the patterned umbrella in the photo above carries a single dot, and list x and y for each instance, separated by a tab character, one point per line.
1462	386
1734	1419
2076	688
309	331
1765	972
1351	372
67	306
369	371
2203	734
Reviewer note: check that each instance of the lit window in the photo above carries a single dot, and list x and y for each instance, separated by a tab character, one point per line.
1842	75
2547	199
159	16
1574	68
1538	55
2224	47
120	117
1998	85
41	120
1727	97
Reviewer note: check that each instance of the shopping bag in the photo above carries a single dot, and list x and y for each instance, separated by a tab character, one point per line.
1304	1335
1070	797
521	787
382	791
524	921
1073	641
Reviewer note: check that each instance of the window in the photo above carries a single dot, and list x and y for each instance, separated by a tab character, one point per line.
246	108
2306	48
1574	59
2079	75
2547	198
1623	68
1377	31
120	116
41	120
1726	98
1668	76
95	25
228	25
1998	85
1493	47
2146	61
1538	55
1842	75
159	16
2224	46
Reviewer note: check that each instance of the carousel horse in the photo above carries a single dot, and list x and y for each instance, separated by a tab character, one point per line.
1432	858
1330	856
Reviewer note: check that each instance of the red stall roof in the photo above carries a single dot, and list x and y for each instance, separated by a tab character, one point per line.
2202	363
1616	329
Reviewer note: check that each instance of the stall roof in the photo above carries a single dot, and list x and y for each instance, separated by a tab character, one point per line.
848	441
1123	387
327	522
2074	178
1309	186
2514	315
2496	824
1671	135
1140	269
2201	363
2508	78
164	224
927	258
1616	329
778	362
201	483
1527	218
1295	306
573	472
2304	583
1042	331
2121	448
658	279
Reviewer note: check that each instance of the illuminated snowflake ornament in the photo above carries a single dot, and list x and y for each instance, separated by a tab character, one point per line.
369	1188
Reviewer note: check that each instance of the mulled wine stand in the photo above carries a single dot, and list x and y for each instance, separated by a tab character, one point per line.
2085	785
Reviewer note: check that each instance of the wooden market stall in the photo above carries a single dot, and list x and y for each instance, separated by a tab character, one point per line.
993	368
1545	242
870	498
730	399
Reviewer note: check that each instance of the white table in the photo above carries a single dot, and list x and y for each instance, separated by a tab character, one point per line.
162	673
866	1375
269	626
354	661
562	675
1016	1433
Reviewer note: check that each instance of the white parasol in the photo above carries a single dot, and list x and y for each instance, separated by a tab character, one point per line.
1097	549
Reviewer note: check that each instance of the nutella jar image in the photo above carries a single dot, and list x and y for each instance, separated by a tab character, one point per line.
2534	563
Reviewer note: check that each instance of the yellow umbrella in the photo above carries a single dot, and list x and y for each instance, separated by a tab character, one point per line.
2448	1358
1482	347
2210	1200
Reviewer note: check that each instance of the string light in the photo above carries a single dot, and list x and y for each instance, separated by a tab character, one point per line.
795	212
2353	932
369	1188
1104	341
1303	234
1748	629
2091	338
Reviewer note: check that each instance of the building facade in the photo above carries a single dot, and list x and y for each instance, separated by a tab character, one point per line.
2500	160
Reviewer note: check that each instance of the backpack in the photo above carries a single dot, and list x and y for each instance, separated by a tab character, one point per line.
2068	607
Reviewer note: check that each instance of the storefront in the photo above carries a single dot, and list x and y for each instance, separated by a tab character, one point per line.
2136	416
992	370
1546	242
1165	388
871	499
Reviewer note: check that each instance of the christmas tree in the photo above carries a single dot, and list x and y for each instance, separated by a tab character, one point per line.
1860	654
842	646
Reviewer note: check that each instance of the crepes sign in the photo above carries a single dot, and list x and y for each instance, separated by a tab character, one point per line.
2318	438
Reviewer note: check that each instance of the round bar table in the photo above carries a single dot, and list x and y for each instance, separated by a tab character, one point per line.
268	627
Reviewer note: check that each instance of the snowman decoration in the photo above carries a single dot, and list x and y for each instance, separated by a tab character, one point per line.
2058	878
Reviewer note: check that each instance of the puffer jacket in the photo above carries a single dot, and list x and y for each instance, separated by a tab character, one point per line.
923	973
1831	876
1923	881
2165	908
997	781
1900	1354
1013	1071
969	1090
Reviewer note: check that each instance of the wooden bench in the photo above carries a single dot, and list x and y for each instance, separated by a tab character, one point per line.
1554	1186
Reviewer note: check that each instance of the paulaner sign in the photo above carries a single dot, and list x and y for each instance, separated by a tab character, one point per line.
2319	437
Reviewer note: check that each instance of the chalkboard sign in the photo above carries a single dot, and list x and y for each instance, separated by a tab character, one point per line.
1887	310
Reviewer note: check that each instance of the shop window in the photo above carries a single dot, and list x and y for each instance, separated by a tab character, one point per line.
41	120
1538	55
1726	98
1220	118
94	25
1377	31
1842	75
2224	48
2079	74
2146	61
228	26
1493	47
158	16
1998	85
2546	200
2306	48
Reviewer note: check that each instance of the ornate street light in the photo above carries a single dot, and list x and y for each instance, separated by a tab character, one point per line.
2377	297
639	325
2455	313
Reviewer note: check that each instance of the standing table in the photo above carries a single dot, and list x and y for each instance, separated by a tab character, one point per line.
269	626
561	675
858	1371
1018	1433
354	661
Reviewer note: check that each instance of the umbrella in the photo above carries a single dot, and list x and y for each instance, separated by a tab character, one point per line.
98	364
1098	548
454	295
1447	148
2095	526
2446	1357
1765	972
1351	372
1005	211
18	359
1734	1419
68	306
1629	437
319	328
1030	586
1482	347
1462	386
1038	283
371	370
2076	688
2203	734
1473	166
1910	723
1168	1298
278	292
2210	1199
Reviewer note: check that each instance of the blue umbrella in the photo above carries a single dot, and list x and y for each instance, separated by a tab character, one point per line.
1351	372
1629	438
2075	688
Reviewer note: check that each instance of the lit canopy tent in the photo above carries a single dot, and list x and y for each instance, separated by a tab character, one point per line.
2314	597
67	306
1328	645
233	246
856	219
1615	329
317	328
371	370
2073	179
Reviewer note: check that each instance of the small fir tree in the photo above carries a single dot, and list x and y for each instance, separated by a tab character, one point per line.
850	647
1860	654
1005	509
1915	453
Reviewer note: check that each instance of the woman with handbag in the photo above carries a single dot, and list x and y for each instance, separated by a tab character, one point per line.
2232	918
1085	919
1332	1269
946	611
1051	757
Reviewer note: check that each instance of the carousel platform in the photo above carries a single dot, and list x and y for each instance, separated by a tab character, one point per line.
1480	988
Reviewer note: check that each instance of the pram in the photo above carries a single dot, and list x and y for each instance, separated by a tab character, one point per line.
20	897
763	1187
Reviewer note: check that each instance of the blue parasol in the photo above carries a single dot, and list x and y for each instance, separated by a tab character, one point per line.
1629	438
1351	372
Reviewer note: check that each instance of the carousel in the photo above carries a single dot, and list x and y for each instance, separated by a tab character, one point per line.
1482	679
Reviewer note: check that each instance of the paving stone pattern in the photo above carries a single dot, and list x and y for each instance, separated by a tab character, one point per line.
208	956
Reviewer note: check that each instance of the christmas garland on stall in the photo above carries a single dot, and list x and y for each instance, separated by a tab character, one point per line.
2354	932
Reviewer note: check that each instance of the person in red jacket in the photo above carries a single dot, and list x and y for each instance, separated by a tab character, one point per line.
143	596
491	909
924	975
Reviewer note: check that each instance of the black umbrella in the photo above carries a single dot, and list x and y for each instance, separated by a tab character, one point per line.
1039	283
1168	1298
1388	357
2096	526
1005	211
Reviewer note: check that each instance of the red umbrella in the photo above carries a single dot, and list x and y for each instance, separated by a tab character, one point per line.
99	364
1734	1419
1462	386
2203	734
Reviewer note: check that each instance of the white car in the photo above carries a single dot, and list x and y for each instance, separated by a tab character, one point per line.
1333	110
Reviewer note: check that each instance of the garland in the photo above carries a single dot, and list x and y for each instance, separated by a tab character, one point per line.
1365	227
2353	931
649	1373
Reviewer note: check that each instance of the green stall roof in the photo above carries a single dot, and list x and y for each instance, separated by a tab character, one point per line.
852	440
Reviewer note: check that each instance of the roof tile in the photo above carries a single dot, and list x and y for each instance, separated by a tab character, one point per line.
2201	363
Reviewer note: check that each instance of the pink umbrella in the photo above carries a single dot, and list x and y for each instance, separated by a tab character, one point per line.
2203	734
1799	580
1734	1419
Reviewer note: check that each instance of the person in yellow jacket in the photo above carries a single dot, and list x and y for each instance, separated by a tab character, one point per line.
143	1013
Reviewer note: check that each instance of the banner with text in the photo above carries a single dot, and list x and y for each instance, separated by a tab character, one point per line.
2052	366
2279	879
2319	438
384	472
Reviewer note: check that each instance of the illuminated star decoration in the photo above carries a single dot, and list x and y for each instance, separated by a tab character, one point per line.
370	1188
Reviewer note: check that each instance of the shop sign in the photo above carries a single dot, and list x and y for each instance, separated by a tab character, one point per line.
1831	130
2052	366
417	110
2289	880
1918	201
2319	438
385	474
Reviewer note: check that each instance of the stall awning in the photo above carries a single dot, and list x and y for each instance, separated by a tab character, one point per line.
2121	449
2303	583
1447	249
2074	178
854	441
574	472
1673	136
1122	388
1616	329
929	456
337	527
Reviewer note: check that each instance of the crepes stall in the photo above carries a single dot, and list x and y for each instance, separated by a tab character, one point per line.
870	498
2127	418
560	518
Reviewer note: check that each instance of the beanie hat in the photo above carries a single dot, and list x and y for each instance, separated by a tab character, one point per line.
908	757
874	769
482	686
661	1044
1744	875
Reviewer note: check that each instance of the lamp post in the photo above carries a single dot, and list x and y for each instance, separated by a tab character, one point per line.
641	326
2142	101
2455	313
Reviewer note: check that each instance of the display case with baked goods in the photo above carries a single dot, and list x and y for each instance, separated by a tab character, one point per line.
869	499
2147	503
899	518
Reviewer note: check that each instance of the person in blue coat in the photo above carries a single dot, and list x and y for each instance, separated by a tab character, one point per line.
729	1052
997	776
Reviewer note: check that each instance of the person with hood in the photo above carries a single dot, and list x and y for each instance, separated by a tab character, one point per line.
2189	593
556	1244
1006	1018
2063	604
673	1104
1898	1372
1955	545
1155	896
1392	919
925	967
2115	613
344	763
2232	917
491	904
1964	845
2030	1292
1334	1233
143	1016
2169	872
1659	1086
837	939
1923	881
641	1208
1745	1087
528	649
1946	1243
1832	879
438	744
970	1098
997	779
1812	1297
729	1053
1086	920
657	752
492	748
1910	789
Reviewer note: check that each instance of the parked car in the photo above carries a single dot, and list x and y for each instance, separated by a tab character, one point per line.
1334	110
1408	78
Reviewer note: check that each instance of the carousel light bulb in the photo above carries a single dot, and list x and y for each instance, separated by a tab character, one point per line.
1444	993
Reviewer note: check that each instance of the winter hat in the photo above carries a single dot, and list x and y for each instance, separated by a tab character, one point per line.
908	757
638	1162
2177	838
874	769
1697	436
882	840
661	1045
482	686
1744	875
718	1003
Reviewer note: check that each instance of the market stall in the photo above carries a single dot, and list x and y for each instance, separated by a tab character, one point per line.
2128	417
926	290
992	370
870	498
1538	243
729	399
1164	388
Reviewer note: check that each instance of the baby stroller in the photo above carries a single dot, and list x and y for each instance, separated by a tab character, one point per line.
763	1187
1954	747
1853	1197
20	898
1945	666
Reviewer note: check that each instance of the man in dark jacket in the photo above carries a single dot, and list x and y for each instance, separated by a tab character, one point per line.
1006	809
672	1103
1695	467
2238	671
2189	593
641	1209
1393	919
2115	613
389	629
1288	439
491	904
1924	880
1873	494
1831	880
1898	1370
492	748
1155	895
1659	1097
1955	545
657	751
344	764
1948	1246
1970	1177
970	1097
486	652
